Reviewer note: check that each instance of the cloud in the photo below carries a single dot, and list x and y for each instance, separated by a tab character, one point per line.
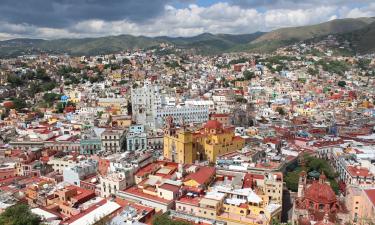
168	19
217	18
295	4
61	13
365	11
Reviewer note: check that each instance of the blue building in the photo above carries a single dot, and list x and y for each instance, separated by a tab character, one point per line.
136	138
90	143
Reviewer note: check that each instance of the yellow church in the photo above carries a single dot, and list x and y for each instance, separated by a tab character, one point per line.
212	140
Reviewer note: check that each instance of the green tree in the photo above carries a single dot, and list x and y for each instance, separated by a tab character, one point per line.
241	100
60	107
341	83
126	61
248	75
281	111
165	220
240	60
312	72
34	88
122	82
291	180
50	98
15	81
18	103
363	64
312	163
42	75
48	86
19	214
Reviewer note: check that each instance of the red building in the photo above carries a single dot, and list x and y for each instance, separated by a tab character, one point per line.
316	201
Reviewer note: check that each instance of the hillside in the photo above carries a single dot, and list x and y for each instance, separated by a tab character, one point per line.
362	40
360	31
205	43
284	36
308	32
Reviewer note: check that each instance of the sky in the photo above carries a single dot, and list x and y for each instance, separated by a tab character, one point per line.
52	19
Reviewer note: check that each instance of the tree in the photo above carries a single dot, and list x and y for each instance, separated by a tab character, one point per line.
312	72
248	75
312	163
50	98
34	88
60	107
237	61
240	99
15	81
42	75
363	64
165	220
281	111
48	86
341	83
126	61
338	67
18	103
19	214
291	180
123	82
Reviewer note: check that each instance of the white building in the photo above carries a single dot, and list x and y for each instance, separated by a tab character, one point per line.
112	140
187	114
145	102
74	175
60	163
115	181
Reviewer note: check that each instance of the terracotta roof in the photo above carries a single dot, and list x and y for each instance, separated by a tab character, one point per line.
213	124
139	193
190	200
371	195
219	115
321	193
170	187
249	180
362	172
202	176
304	221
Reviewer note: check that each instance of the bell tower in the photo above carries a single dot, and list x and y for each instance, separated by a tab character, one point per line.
301	184
169	128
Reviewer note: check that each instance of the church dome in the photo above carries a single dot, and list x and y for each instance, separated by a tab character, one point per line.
320	192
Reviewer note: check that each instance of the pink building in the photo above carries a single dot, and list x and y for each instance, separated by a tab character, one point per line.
361	205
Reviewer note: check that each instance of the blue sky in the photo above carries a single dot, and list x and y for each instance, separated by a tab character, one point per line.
50	19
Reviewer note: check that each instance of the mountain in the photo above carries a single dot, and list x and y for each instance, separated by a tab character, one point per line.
84	46
205	43
290	35
208	43
362	40
360	31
